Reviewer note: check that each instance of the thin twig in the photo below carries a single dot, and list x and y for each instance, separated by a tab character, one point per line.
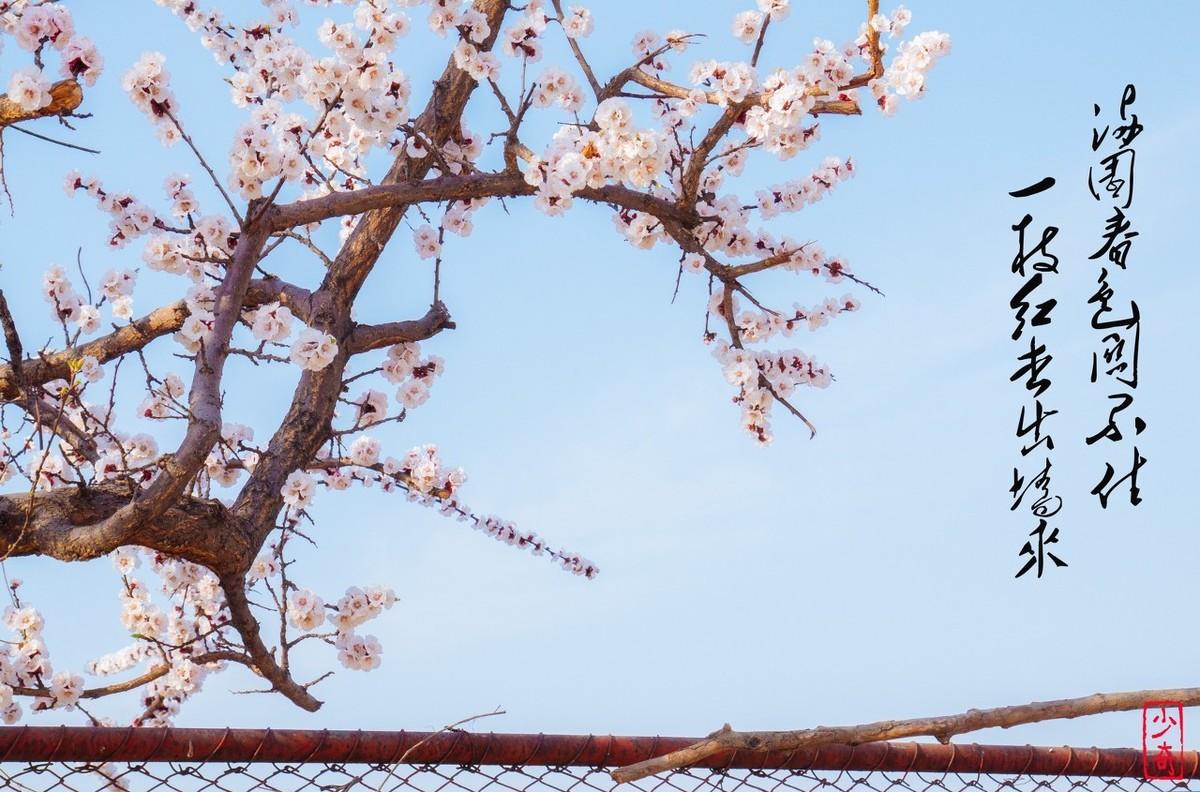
55	141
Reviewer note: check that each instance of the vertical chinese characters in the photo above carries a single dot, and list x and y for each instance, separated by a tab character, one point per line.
1032	306
1115	357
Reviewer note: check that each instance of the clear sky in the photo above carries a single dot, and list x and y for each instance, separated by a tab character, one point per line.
864	574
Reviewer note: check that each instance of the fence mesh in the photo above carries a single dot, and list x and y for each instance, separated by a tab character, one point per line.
46	758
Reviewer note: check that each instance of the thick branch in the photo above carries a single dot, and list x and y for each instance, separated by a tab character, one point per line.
438	123
398	194
942	727
12	339
61	526
367	337
204	400
264	661
446	188
307	422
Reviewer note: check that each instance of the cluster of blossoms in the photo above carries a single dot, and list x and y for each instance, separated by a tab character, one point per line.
89	448
147	84
25	663
232	456
730	81
427	240
196	253
359	95
795	195
201	301
271	323
579	157
905	75
522	38
313	349
423	478
268	147
164	398
759	326
472	24
132	457
117	288
35	27
130	217
359	652
171	639
578	23
412	375
555	86
760	375
419	473
67	305
305	610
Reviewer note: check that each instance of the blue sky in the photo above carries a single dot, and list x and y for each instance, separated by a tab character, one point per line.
861	575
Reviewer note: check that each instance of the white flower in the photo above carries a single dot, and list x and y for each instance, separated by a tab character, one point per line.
425	239
371	407
413	394
122	307
578	22
298	490
80	59
314	350
118	283
125	559
65	689
90	369
29	89
364	451
27	621
264	566
48	469
361	653
87	319
746	26
44	23
272	322
305	610
777	9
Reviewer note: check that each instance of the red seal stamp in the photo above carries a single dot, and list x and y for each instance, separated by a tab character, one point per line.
1162	740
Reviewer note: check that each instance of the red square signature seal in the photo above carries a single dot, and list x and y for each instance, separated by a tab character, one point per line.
1162	740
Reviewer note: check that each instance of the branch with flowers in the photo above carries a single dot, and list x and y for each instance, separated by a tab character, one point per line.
173	488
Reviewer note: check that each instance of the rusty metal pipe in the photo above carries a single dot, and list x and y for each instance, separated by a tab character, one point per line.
84	744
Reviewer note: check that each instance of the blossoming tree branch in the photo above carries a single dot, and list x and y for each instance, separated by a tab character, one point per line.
199	513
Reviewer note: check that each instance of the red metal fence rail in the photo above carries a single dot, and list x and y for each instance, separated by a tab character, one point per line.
83	744
125	758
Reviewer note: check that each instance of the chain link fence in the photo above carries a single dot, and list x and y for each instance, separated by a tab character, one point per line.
70	758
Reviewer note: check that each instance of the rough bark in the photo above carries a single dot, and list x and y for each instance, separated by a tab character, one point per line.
61	524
